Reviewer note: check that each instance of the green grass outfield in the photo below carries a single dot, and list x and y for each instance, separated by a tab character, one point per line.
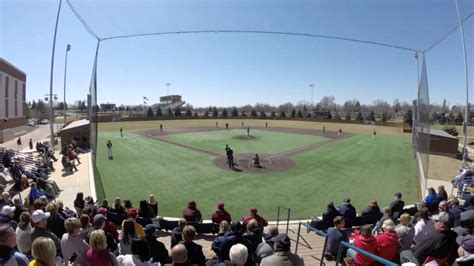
358	167
266	142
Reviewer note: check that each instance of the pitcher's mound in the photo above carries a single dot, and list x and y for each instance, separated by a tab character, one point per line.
244	163
245	137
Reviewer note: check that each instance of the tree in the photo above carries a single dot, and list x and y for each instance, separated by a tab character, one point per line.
383	118
450	118
170	112
293	113
42	110
177	111
263	114
328	103
359	116
33	105
234	112
195	114
224	112
189	113
434	117
348	116
282	114
299	114
253	113
149	113
396	106
407	118
243	113
371	116
357	106
215	113
273	114
27	110
158	112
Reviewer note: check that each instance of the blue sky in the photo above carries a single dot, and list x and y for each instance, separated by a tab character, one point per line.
239	69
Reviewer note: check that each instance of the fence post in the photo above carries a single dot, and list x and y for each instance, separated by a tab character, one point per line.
324	251
298	238
339	254
278	215
288	221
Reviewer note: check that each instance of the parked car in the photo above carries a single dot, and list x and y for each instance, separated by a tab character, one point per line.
44	122
31	122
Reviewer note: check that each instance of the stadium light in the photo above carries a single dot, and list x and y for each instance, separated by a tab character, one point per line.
312	87
68	48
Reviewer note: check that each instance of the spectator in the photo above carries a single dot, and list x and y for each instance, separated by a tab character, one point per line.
372	210
109	226
387	242
283	255
364	241
455	210
35	192
7	244
89	203
424	227
65	212
55	221
140	255
99	223
146	212
7	215
224	227
336	234
40	221
253	215
133	214
153	204
265	248
238	255
126	236
104	204
176	234
438	245
44	252
23	234
179	255
329	215
431	197
220	214
442	194
221	245
253	235
347	210
396	206
98	255
118	208
158	251
405	232
192	213
79	203
127	205
72	243
19	209
7	160
387	215
195	254
465	251
86	226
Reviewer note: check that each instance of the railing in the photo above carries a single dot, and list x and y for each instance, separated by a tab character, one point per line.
363	252
321	233
288	211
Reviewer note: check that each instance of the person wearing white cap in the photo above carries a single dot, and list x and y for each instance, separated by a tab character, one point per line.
6	217
40	221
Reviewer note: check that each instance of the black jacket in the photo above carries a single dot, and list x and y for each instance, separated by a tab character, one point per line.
437	245
158	251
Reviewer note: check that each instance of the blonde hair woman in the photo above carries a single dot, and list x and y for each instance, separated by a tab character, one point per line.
98	255
44	252
405	232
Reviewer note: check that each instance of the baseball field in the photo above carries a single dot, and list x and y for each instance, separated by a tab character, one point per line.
303	166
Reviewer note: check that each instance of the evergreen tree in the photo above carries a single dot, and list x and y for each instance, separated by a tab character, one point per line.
348	116
224	112
263	114
299	114
253	113
282	114
234	112
195	114
149	113
293	113
273	114
158	112
177	111
371	116
189	113
359	116
383	118
459	118
434	117
407	118
215	113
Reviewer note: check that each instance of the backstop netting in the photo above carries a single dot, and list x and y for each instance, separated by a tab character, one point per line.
421	127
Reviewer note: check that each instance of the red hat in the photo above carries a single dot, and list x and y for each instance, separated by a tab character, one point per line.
102	210
220	204
253	210
133	213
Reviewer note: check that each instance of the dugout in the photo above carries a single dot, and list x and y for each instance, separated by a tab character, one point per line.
442	143
77	132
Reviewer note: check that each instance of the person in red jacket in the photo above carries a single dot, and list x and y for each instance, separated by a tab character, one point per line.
253	215
220	214
387	242
366	242
192	213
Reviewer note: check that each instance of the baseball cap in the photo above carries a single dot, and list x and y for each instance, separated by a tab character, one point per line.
150	229
282	242
220	204
133	213
467	243
443	217
39	215
253	210
102	211
7	210
347	200
99	219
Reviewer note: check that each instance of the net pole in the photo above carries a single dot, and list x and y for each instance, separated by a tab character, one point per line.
466	79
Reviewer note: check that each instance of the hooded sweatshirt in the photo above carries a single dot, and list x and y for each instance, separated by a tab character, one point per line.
387	245
368	244
191	213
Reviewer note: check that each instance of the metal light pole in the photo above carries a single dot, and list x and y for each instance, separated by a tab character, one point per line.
68	47
312	87
51	128
167	89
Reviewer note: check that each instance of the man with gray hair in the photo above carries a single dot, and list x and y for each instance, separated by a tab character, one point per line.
238	255
282	255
